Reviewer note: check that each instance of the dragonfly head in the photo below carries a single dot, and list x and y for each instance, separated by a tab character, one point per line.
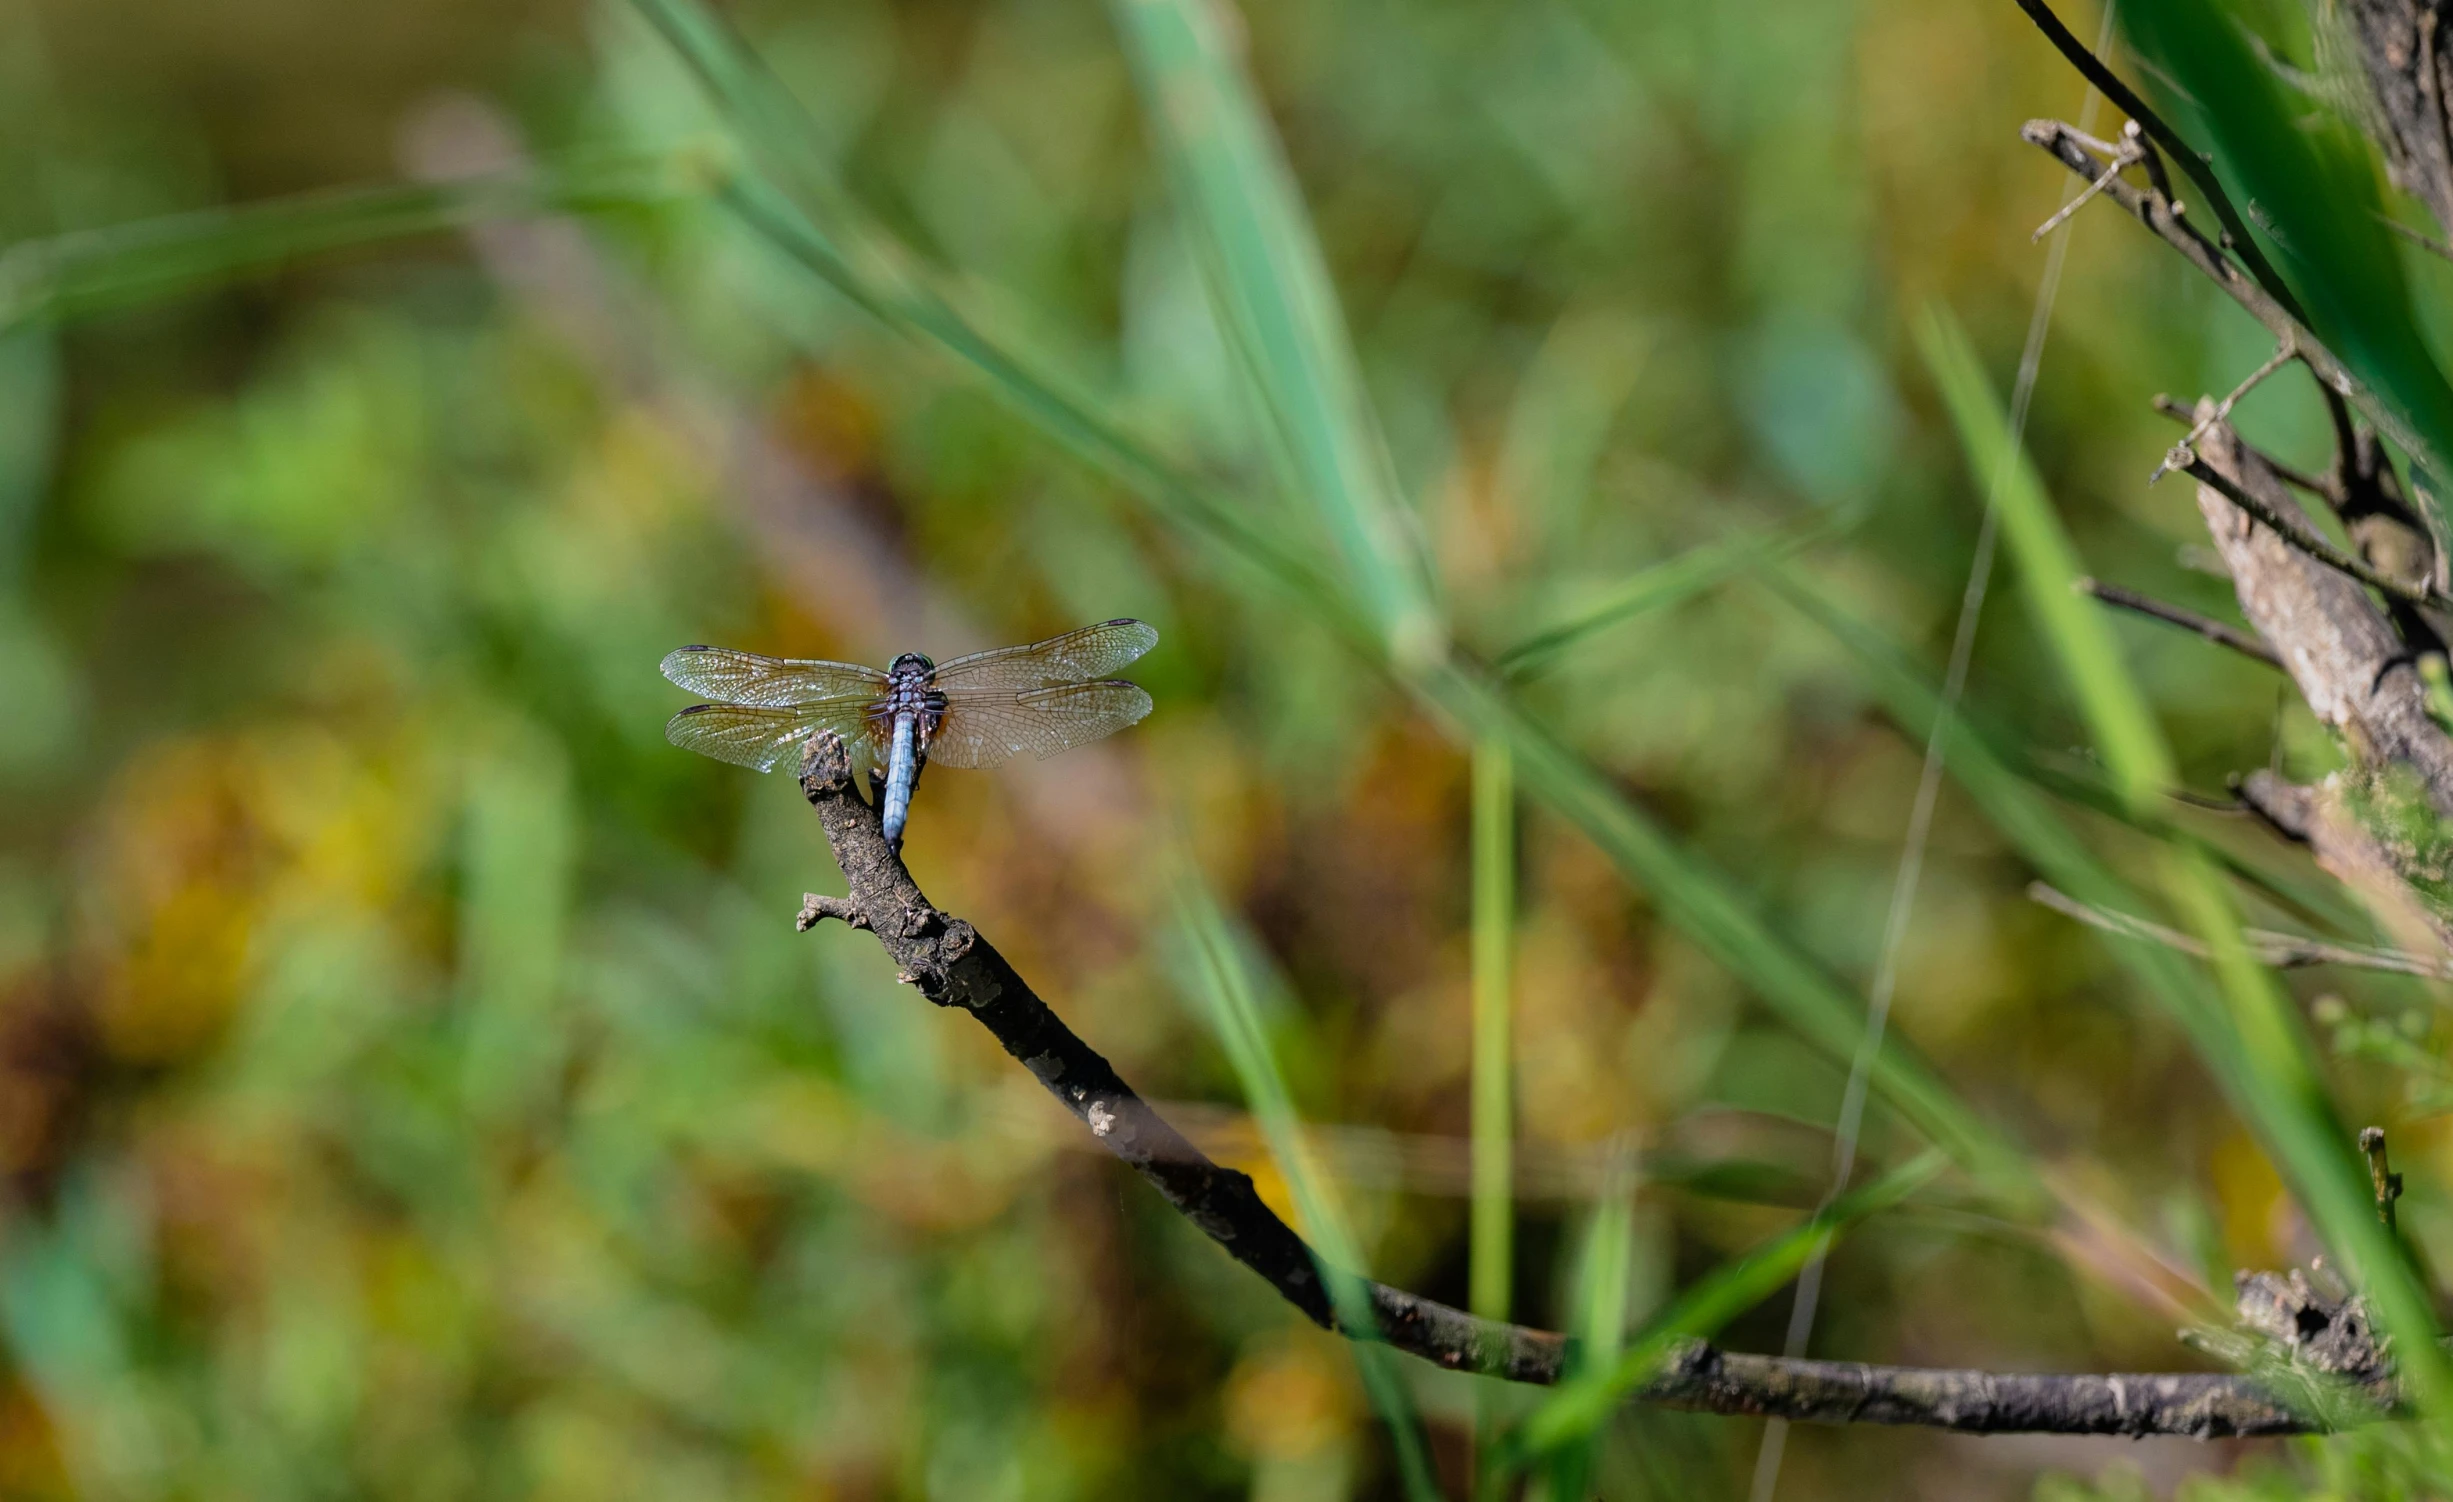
912	663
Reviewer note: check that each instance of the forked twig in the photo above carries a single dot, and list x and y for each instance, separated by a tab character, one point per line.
2123	157
2236	237
2155	208
2182	453
2323	487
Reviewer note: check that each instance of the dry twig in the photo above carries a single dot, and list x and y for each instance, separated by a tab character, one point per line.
2246	643
2155	208
2278	950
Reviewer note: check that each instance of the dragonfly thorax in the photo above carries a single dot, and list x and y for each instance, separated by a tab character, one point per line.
911	689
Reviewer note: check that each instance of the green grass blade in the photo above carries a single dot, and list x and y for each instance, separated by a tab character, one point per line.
1271	289
97	271
2250	1038
1598	1320
1581	1404
2011	785
1665	584
1491	1265
801	210
1704	905
1226	992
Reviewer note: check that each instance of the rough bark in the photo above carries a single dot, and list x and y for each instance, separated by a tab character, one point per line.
2352	668
2401	47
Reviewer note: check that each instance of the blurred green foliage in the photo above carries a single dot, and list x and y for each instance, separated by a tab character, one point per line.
409	1082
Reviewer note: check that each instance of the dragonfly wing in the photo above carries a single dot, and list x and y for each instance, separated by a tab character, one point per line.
981	730
770	682
748	736
1075	657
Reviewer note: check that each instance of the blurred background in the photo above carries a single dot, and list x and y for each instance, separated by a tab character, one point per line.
410	1082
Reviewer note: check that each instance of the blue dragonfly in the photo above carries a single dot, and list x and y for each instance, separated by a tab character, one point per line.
975	711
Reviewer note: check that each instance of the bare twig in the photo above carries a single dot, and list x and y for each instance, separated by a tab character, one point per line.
2122	158
2236	237
2278	950
2246	643
2157	210
2185	450
816	908
2299	479
2428	243
954	967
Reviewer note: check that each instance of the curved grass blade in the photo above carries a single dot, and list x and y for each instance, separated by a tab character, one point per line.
97	271
1667	583
1227	997
1270	288
1598	1319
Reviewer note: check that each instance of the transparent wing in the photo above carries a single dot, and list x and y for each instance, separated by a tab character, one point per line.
772	682
983	730
760	738
1075	657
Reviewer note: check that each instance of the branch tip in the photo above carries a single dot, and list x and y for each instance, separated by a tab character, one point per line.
816	908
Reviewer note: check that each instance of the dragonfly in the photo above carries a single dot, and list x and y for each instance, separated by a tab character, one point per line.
974	711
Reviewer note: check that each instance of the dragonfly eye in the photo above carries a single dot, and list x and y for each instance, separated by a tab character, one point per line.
913	662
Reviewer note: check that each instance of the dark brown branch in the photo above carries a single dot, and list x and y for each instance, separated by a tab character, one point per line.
2201	171
2152	207
954	967
2246	643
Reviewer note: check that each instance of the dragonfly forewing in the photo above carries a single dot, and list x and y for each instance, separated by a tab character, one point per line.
983	729
1075	657
770	682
